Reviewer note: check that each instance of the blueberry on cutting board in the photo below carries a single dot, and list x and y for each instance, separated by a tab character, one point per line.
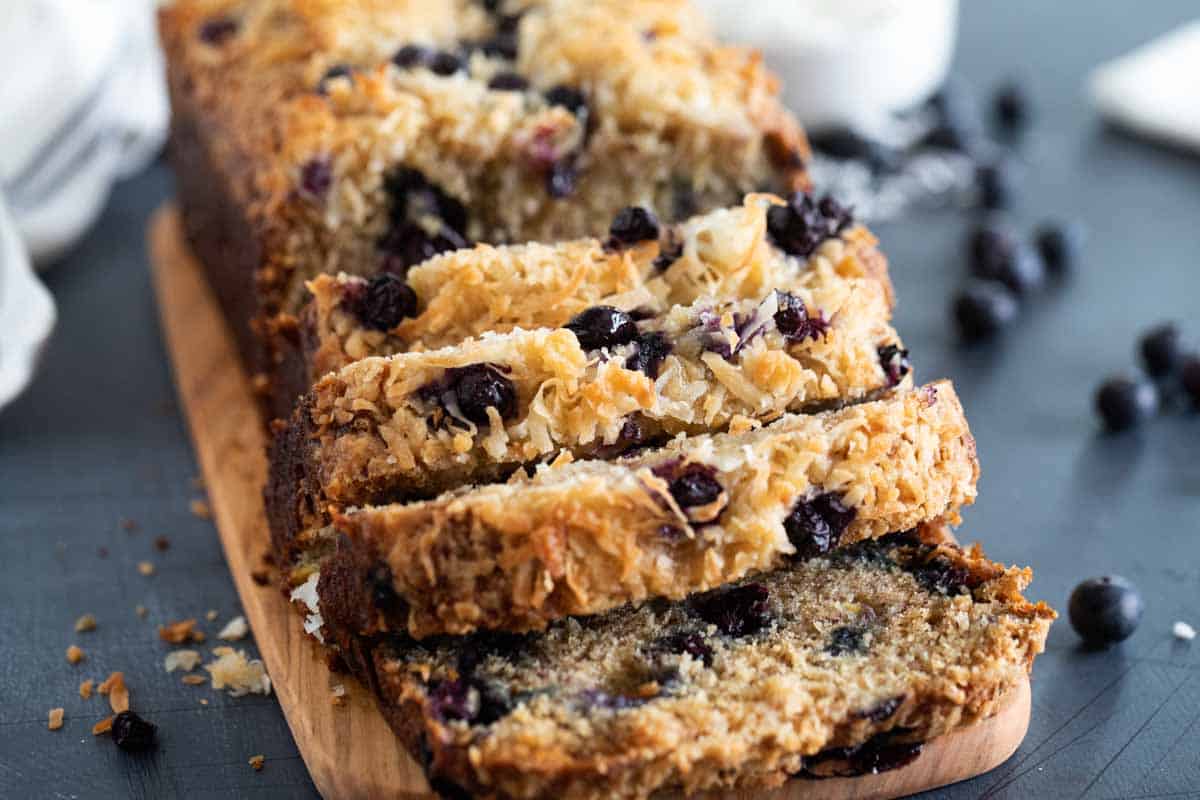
1105	610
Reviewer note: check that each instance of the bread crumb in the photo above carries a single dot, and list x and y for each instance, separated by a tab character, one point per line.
211	615
234	630
130	525
180	632
194	680
146	568
102	727
186	660
162	544
118	693
1183	631
201	509
85	623
56	719
233	670
257	762
85	689
338	695
203	701
140	611
75	654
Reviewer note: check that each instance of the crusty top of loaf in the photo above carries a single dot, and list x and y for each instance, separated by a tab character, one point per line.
645	66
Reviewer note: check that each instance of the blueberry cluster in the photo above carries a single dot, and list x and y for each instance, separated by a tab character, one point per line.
1005	269
1124	402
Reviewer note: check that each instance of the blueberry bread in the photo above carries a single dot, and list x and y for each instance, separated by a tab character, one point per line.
363	135
846	661
592	535
730	253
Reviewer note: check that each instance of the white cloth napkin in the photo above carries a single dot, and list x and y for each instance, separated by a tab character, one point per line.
1155	90
83	104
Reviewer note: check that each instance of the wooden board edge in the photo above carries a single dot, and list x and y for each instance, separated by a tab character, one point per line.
349	749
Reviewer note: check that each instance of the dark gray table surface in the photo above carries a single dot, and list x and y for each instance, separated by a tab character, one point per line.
99	437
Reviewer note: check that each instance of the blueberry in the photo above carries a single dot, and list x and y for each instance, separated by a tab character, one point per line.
694	485
895	363
445	63
1159	348
652	348
217	30
1023	271
569	98
316	176
800	226
602	326
508	82
411	244
955	124
846	640
882	710
846	143
333	73
1105	610
996	183
1060	245
946	135
988	244
941	575
133	733
1124	403
1189	376
412	55
385	301
453	700
793	320
815	526
739	611
633	224
480	387
983	308
1011	107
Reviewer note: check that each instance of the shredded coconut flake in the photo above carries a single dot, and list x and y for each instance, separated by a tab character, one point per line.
186	660
307	593
240	675
235	629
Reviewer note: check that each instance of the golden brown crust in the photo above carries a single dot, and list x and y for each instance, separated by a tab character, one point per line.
587	537
678	120
899	638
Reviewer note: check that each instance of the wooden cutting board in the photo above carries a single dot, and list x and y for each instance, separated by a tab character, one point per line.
348	748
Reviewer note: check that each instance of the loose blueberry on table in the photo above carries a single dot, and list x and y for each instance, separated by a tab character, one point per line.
1124	403
983	308
1105	610
1160	350
1061	244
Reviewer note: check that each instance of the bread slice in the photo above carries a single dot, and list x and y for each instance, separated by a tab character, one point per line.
698	513
726	253
360	135
857	657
